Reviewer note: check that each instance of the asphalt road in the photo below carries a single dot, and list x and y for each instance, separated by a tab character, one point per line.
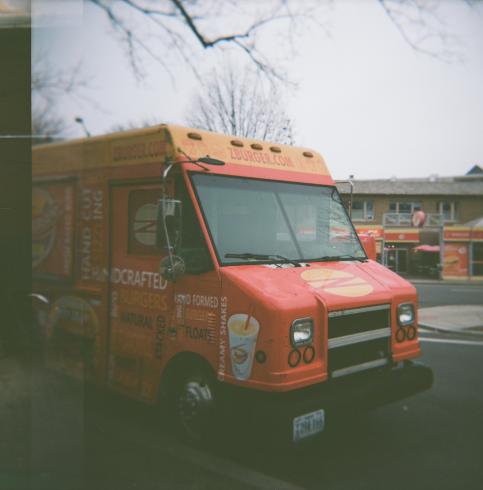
432	440
56	435
439	294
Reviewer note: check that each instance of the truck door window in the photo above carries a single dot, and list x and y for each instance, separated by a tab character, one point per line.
193	247
143	208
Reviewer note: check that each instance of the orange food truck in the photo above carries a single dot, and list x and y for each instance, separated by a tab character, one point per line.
207	272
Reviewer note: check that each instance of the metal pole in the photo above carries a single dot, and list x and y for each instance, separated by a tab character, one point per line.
350	194
80	121
441	249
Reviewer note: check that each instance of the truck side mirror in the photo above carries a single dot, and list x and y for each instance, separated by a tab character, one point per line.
172	267
168	224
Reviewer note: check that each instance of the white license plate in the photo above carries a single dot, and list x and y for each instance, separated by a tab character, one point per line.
308	425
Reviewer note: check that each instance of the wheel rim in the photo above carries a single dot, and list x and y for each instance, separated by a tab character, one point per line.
194	404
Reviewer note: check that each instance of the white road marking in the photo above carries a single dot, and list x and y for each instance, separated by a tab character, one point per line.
452	341
466	290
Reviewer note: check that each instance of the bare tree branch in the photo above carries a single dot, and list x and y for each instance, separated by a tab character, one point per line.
179	21
130	38
46	125
206	43
242	106
167	31
143	123
419	25
48	87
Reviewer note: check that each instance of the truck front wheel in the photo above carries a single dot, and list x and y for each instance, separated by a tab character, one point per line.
193	403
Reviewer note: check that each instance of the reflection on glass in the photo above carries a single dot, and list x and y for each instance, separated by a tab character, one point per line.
298	221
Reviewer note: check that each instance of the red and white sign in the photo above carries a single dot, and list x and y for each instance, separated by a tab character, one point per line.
457	233
401	235
418	218
375	231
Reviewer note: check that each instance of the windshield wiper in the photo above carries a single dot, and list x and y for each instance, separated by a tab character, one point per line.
249	256
335	258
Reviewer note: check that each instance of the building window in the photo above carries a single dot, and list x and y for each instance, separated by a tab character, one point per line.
404	207
448	210
363	211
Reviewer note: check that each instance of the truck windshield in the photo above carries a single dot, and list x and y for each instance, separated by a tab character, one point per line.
250	219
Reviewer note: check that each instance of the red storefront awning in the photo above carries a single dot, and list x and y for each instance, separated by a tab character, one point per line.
427	248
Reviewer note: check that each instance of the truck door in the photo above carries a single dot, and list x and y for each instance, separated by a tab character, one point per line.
197	292
141	301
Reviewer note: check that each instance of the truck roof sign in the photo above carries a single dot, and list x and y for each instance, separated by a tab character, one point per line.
155	143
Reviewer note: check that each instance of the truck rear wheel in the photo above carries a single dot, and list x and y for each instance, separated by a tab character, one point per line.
193	403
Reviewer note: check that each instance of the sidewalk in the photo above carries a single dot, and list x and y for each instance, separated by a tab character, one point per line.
453	318
449	282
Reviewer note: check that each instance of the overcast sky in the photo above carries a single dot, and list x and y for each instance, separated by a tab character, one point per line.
371	105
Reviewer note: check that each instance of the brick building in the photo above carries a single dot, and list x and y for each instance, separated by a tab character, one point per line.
452	208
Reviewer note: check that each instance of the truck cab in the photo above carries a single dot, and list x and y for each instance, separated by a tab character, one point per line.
301	305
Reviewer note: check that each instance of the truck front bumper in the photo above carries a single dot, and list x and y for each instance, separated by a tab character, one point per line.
274	413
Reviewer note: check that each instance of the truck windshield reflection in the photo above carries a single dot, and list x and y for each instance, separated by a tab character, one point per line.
249	219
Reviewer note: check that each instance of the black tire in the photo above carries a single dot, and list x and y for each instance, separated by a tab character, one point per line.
192	402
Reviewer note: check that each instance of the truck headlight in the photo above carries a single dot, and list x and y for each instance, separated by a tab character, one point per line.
301	332
405	314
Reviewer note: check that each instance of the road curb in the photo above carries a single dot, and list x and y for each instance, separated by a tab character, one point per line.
439	329
445	282
438	340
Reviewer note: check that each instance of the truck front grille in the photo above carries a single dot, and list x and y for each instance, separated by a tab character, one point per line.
359	339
